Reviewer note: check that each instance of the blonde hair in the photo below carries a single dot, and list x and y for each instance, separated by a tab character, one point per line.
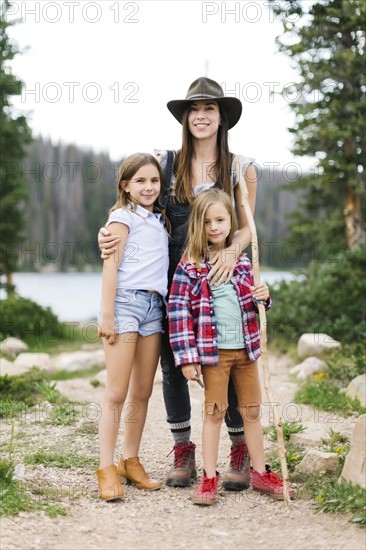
127	170
197	245
221	169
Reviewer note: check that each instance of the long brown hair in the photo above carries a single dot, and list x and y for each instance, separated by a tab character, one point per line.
127	170
197	245
221	169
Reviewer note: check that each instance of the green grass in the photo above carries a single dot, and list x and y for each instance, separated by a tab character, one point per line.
325	491
69	375
343	497
9	408
88	428
332	496
288	428
325	395
16	497
30	385
294	451
75	338
294	455
340	444
66	460
19	393
64	415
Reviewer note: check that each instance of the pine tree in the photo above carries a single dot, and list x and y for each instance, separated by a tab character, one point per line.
14	134
326	42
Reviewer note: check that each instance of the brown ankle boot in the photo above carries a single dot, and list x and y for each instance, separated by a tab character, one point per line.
132	471
109	485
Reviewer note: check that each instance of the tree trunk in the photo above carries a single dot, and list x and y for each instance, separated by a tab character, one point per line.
9	284
353	223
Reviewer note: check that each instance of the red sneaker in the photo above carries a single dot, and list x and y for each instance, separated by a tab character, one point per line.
206	492
269	483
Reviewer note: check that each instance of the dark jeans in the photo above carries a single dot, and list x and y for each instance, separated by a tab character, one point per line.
176	392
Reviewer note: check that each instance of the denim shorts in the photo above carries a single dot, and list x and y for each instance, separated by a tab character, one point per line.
138	311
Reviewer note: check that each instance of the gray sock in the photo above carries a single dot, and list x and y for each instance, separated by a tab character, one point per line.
181	431
182	436
236	435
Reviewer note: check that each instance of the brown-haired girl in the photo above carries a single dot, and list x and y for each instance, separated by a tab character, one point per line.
134	285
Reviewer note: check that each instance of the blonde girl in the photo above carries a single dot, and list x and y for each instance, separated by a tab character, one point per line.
213	329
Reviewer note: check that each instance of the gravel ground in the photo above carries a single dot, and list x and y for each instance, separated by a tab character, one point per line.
162	519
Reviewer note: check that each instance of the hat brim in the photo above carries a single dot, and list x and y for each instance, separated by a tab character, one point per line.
232	106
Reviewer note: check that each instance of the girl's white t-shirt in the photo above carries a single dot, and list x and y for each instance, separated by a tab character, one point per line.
145	261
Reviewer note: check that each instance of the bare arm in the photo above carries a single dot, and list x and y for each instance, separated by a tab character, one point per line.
106	328
224	261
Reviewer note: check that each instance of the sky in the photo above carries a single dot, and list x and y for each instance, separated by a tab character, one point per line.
99	74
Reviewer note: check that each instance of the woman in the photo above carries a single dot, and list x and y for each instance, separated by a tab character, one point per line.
203	161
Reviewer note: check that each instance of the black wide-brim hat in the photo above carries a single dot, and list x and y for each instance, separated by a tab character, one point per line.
203	89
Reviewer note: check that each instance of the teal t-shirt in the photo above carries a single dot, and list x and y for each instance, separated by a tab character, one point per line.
228	317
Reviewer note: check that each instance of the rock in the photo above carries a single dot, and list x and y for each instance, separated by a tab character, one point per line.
357	389
308	367
20	473
314	435
354	469
29	360
12	346
9	368
318	461
78	360
315	344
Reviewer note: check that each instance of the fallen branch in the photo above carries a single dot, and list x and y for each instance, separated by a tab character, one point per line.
263	330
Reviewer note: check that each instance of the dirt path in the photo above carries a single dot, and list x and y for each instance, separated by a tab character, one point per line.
164	519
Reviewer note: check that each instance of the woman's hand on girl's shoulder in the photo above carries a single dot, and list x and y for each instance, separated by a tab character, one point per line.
107	243
223	265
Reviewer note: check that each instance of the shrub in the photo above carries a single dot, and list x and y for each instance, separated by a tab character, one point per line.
27	320
329	299
347	363
25	390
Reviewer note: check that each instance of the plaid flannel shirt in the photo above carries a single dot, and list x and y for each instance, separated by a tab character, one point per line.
192	322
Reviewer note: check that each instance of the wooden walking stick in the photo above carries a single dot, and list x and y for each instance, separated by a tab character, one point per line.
263	328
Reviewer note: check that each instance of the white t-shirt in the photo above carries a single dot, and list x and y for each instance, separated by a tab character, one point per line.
145	261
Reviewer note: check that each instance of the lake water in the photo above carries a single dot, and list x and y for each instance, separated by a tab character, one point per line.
76	296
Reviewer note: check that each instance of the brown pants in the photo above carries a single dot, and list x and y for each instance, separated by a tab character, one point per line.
244	373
